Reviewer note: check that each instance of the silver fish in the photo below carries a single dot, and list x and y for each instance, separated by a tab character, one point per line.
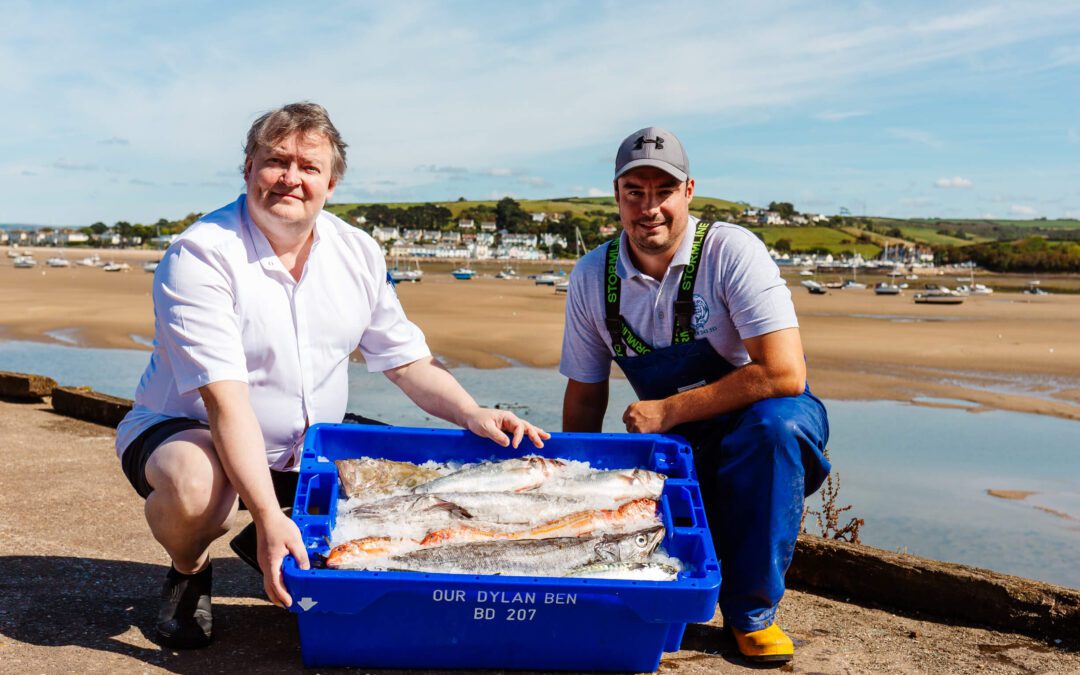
528	557
513	475
514	508
620	485
634	571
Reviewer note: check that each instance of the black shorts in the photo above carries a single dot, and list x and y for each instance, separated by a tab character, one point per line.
136	455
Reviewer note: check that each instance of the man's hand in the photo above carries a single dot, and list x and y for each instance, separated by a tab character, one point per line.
278	536
647	417
491	423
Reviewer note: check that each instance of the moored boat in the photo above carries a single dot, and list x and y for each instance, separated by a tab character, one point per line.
24	262
463	273
885	288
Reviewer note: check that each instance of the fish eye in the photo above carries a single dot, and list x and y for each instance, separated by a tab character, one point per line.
641	540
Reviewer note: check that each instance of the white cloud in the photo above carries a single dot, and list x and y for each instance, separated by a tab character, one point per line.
1023	210
73	165
914	135
839	116
952	183
597	192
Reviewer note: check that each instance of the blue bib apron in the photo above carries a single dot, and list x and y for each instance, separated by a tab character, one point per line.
754	465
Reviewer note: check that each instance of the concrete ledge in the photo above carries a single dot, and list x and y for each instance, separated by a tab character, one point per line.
86	404
25	386
949	590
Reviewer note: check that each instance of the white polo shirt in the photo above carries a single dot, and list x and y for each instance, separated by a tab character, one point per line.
225	308
738	294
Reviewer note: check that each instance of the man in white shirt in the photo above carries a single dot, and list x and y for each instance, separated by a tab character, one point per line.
257	307
700	322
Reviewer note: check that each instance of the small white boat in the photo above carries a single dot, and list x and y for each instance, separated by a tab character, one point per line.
938	295
57	262
549	277
806	273
814	287
90	261
25	262
562	286
507	273
151	266
400	275
13	253
849	284
463	273
116	267
885	288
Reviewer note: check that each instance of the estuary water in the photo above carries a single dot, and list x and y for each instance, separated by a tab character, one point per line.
917	475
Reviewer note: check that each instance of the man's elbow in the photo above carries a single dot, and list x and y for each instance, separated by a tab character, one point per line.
789	382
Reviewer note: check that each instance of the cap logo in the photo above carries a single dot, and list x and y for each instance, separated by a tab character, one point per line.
641	141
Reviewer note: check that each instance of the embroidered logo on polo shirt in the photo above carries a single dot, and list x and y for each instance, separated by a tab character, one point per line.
701	314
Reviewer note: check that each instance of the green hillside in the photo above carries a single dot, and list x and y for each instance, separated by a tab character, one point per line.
806	239
575	205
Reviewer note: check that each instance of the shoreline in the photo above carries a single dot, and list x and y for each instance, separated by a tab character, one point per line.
1001	352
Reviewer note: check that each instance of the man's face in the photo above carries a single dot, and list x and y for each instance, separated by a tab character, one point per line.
289	183
654	207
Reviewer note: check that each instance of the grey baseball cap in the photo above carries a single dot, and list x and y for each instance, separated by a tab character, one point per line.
652	146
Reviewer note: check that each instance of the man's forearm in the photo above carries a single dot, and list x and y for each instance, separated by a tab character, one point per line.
431	386
584	405
736	390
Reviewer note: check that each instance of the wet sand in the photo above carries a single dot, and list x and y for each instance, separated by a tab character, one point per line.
1006	351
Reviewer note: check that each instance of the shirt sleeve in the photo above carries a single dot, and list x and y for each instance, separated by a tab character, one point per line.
757	298
586	356
196	319
391	340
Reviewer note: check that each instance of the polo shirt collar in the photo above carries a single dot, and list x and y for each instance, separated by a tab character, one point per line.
625	267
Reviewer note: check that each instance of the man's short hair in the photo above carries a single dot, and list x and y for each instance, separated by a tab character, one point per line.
304	117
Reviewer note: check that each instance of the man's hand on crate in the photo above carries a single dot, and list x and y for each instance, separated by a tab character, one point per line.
278	536
491	423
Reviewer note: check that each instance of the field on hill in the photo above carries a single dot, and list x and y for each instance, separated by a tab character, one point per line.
577	206
811	238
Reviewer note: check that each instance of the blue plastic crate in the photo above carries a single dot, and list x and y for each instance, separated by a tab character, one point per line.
415	620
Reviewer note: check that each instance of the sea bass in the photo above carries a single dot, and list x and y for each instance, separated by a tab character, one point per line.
619	485
529	557
581	524
367	477
514	508
511	475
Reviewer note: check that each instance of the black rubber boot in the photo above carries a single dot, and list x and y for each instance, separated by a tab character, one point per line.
246	546
184	619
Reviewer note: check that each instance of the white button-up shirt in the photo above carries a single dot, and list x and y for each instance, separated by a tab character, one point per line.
225	308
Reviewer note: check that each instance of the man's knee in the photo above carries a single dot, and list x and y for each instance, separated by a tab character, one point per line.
186	475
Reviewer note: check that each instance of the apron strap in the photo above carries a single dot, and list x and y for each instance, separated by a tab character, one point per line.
682	329
622	336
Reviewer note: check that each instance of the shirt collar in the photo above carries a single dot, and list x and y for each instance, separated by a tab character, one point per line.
267	258
625	267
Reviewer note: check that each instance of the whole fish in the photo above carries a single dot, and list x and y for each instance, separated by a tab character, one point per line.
529	557
632	571
514	508
359	553
367	477
620	485
512	475
580	524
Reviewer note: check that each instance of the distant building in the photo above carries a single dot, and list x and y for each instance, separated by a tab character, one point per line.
526	240
607	230
550	239
538	217
466	224
384	234
488	226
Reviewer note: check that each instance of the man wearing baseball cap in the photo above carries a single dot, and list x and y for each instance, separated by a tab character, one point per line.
699	320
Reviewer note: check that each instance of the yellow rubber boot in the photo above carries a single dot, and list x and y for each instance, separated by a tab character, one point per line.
768	644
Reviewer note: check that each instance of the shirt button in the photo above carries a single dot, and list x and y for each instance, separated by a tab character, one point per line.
661	315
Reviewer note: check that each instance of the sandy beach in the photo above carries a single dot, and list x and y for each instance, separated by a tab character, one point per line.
1006	351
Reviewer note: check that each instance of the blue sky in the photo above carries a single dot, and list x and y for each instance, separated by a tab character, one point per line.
138	110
